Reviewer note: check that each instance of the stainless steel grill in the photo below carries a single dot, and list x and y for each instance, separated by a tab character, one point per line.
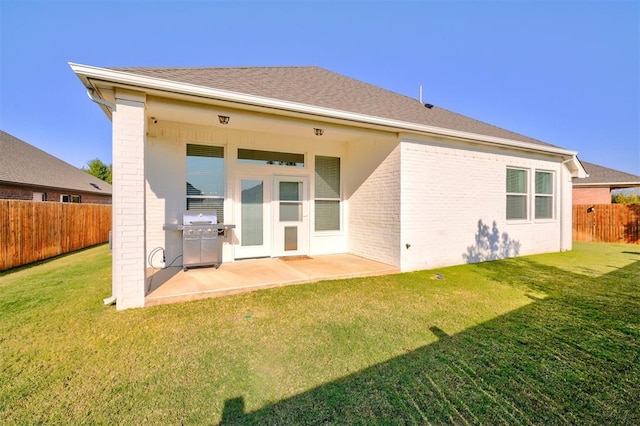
202	238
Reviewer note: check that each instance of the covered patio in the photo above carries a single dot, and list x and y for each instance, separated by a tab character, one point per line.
172	284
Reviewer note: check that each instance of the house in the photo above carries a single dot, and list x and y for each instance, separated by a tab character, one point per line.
28	173
597	187
304	161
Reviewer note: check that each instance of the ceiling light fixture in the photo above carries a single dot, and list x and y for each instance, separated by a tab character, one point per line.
318	132
224	119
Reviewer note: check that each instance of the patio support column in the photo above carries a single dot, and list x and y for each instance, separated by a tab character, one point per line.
129	200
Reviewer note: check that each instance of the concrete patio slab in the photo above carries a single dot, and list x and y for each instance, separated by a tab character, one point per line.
172	284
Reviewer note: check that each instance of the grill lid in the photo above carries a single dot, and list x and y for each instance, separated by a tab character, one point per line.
199	218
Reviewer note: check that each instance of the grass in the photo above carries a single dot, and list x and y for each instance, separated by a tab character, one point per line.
533	340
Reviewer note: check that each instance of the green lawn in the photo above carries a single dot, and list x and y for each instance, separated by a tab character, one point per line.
535	340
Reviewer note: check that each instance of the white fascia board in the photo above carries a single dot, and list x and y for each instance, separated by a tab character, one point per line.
607	184
576	168
86	72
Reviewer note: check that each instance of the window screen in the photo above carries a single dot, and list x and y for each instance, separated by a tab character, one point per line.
205	179
544	195
327	193
516	194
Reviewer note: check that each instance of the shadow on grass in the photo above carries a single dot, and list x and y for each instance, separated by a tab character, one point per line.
572	357
45	261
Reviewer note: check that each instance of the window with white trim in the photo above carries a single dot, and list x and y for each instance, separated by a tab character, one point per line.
272	158
205	179
517	194
544	195
327	193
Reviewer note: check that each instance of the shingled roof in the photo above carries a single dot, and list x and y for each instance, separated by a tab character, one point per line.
604	176
319	87
24	164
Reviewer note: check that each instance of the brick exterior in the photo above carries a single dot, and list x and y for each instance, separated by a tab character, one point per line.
374	206
128	200
410	202
15	192
449	189
591	195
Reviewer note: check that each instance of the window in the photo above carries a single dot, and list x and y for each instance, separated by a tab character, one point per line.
205	179
544	195
517	194
69	198
327	194
253	156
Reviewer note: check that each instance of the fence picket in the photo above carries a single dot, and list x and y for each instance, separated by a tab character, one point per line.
607	223
31	231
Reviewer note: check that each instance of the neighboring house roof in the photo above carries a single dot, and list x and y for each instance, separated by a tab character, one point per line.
320	87
26	165
606	177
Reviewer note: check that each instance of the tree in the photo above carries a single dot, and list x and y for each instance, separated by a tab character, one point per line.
622	198
100	170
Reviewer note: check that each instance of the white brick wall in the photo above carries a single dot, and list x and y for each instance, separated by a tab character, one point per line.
128	200
415	204
448	188
374	199
165	165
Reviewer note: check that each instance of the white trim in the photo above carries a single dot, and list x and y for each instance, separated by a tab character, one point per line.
607	184
553	196
86	72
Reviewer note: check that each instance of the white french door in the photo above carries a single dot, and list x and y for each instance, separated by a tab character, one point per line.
272	216
290	215
253	227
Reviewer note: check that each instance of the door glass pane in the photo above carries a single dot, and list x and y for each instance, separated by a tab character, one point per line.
290	191
252	222
290	212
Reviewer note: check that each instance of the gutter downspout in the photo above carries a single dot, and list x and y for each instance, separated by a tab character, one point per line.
91	94
562	206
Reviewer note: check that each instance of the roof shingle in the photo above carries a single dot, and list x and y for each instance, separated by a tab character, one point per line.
599	175
322	88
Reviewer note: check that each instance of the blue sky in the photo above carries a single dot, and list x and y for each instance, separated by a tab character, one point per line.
565	72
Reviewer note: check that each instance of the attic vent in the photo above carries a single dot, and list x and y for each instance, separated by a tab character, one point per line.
95	186
428	106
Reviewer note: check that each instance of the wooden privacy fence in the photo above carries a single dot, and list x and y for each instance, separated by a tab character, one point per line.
607	223
32	231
